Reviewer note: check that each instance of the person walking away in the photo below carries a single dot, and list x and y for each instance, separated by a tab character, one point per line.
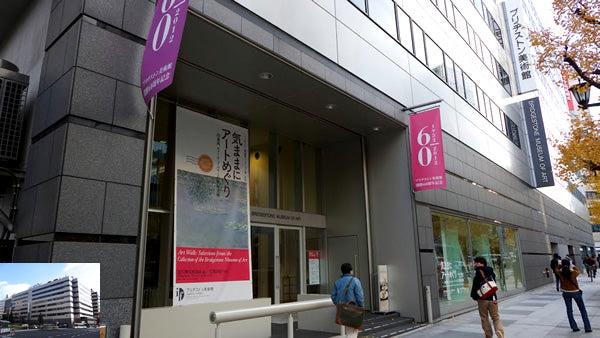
487	307
570	291
590	266
553	264
353	294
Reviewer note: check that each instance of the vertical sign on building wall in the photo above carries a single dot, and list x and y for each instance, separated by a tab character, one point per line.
212	232
427	153
162	46
313	268
523	58
540	158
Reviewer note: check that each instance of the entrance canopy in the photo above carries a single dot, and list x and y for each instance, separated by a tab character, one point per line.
222	73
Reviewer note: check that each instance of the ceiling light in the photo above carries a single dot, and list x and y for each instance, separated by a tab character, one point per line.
265	76
376	128
330	106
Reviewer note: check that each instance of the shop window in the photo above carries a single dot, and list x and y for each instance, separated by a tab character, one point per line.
316	268
160	175
158	271
458	241
404	32
451	243
382	12
435	58
485	242
512	260
290	174
419	44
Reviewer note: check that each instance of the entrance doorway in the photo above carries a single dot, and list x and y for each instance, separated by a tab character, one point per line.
276	260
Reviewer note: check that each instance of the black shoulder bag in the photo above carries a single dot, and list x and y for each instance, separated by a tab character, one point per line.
349	314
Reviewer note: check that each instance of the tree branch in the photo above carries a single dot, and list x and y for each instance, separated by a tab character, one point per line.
581	73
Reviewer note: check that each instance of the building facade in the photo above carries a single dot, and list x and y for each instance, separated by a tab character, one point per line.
63	300
322	88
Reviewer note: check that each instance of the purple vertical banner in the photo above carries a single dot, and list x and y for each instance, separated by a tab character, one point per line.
162	46
427	153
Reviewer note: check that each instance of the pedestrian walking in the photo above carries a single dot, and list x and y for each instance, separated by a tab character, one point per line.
348	289
553	264
487	307
590	266
568	273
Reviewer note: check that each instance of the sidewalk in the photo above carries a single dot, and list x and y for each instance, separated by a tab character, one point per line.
536	313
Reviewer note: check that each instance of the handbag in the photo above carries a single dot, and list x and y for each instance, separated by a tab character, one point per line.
349	314
487	288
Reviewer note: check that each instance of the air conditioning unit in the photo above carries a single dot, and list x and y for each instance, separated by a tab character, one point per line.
13	93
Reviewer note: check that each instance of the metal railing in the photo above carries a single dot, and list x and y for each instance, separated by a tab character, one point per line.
264	311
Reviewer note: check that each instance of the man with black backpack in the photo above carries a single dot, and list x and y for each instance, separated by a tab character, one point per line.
553	264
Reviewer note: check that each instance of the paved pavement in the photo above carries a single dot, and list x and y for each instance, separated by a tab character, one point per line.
536	313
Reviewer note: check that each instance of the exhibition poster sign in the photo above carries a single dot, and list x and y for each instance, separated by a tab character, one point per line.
162	47
212	236
314	277
427	153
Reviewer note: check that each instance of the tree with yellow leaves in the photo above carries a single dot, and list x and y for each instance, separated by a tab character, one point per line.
579	160
576	50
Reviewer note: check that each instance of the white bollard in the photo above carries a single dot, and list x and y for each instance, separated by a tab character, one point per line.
428	299
125	331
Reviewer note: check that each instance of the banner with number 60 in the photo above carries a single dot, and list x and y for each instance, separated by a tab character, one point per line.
427	152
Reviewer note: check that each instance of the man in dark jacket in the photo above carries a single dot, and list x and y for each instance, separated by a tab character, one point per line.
553	264
487	306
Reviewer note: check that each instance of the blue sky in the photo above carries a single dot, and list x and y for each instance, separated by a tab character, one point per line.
17	277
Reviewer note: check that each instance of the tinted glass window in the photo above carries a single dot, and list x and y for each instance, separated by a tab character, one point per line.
461	24
435	58
360	4
460	87
404	29
382	12
470	91
450	73
418	42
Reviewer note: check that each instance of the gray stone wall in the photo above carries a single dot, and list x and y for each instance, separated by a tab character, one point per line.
81	198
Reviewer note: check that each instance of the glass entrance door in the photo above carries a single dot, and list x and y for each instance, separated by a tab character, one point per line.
276	263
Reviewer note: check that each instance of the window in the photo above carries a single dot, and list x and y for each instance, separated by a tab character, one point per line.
470	91
450	73
495	115
382	12
404	32
484	105
461	24
360	4
435	58
418	42
480	7
497	31
460	86
503	77
290	175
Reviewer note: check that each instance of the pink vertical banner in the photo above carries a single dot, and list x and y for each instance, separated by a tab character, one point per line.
162	46
426	150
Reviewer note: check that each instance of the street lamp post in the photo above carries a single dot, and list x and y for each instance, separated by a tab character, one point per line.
581	92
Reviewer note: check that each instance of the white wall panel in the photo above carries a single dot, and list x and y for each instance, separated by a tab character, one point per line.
302	19
369	64
361	25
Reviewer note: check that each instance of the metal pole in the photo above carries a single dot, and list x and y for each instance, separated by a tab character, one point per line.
217	331
290	326
141	254
367	219
342	331
428	299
